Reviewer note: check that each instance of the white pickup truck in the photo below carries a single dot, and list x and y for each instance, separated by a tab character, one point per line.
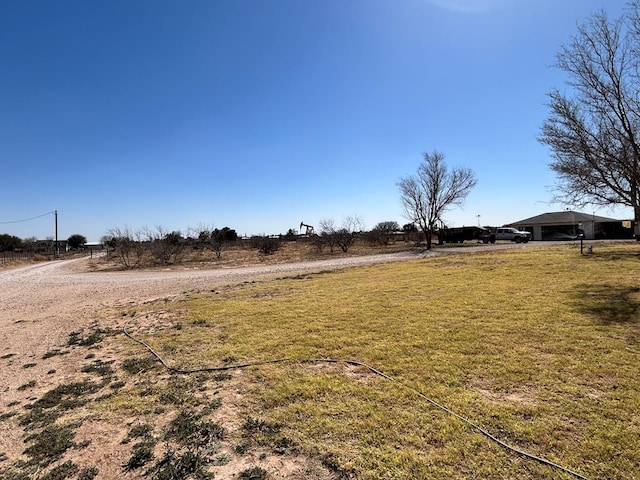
512	234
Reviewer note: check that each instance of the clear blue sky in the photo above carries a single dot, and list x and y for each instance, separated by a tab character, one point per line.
260	114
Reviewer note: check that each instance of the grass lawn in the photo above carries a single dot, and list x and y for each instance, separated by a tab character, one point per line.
539	346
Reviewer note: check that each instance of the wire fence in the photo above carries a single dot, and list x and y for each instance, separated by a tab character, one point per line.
8	257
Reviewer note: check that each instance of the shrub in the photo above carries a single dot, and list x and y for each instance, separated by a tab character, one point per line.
255	473
265	245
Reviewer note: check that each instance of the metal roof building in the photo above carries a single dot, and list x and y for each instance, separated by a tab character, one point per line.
567	224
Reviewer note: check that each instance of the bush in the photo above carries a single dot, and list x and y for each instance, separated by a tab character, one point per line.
128	246
265	245
255	473
167	247
216	240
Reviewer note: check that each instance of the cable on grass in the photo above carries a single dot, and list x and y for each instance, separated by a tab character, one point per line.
356	363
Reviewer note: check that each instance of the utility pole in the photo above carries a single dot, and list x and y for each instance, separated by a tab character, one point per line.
56	248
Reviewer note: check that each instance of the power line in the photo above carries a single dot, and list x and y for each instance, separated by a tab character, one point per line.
27	219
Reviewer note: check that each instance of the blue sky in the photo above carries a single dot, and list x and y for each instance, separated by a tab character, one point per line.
260	114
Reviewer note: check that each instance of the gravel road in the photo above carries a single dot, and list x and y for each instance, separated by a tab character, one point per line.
54	289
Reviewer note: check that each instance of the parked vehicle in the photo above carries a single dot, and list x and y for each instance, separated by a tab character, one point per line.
511	234
460	234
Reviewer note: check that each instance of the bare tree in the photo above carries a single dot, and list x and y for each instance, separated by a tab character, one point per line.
166	247
428	194
349	232
30	243
129	246
344	236
327	234
593	130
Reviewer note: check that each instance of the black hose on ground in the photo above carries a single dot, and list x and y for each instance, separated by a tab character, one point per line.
358	364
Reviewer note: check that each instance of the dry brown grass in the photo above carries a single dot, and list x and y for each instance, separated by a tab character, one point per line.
539	346
243	255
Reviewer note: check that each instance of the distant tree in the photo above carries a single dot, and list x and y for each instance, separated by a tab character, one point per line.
388	226
216	240
9	242
327	234
411	232
593	129
226	234
427	195
30	243
166	247
343	236
291	234
76	241
129	246
265	245
349	232
107	240
382	232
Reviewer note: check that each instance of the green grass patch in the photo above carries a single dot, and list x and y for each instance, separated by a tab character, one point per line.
140	430
98	367
91	339
539	345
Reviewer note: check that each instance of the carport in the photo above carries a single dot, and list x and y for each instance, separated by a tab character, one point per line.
567	224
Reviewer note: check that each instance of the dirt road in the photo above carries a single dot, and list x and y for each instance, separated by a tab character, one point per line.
54	289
